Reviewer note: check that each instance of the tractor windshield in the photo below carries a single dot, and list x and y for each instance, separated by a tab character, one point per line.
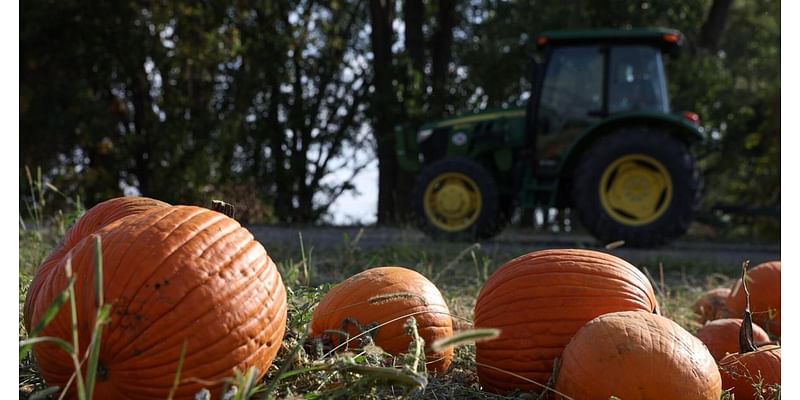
636	80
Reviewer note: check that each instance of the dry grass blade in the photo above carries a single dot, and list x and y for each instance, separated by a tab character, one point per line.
455	260
464	338
177	380
615	245
653	282
545	387
395	375
390	297
282	374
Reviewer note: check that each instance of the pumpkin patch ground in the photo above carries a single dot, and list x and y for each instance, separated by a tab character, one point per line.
374	348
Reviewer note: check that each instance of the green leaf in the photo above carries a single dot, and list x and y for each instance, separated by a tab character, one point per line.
27	343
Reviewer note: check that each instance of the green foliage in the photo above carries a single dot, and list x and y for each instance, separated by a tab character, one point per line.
258	102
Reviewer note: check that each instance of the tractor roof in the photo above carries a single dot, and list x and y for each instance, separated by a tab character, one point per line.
669	39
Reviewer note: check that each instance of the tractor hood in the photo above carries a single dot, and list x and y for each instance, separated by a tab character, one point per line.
465	120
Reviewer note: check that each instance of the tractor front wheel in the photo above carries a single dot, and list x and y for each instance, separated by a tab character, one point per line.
637	185
456	199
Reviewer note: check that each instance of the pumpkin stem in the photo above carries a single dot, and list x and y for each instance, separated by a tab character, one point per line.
746	344
223	207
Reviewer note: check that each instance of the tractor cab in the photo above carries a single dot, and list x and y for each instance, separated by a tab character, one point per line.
597	135
588	76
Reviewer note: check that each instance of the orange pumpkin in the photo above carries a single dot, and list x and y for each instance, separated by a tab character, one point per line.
764	283
539	300
740	371
95	218
637	355
173	275
752	367
722	336
380	295
712	305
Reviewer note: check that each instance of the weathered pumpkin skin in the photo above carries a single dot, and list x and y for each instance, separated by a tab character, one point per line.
637	355
173	275
721	336
712	305
95	218
382	294
540	300
740	370
764	284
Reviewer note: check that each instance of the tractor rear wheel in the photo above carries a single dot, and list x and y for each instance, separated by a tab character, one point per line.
456	199
638	185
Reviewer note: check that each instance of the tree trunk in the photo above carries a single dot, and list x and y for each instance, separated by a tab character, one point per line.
714	25
441	53
382	108
413	11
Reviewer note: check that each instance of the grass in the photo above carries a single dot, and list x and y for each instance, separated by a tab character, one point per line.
459	270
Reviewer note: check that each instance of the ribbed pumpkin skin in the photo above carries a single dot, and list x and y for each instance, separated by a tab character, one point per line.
540	300
637	355
95	218
721	336
712	305
764	285
740	371
172	274
379	295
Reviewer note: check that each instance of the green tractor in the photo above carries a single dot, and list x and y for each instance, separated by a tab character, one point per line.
597	136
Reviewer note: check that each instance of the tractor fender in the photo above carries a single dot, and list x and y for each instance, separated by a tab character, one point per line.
674	124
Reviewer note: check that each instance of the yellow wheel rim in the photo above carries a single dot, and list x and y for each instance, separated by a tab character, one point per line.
452	201
635	189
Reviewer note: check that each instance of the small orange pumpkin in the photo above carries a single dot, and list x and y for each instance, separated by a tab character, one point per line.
740	371
95	218
721	336
380	295
764	282
539	300
173	275
752	367
712	305
637	355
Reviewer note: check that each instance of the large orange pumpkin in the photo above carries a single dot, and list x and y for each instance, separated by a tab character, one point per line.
637	355
721	336
764	283
540	300
383	294
173	275
95	218
712	305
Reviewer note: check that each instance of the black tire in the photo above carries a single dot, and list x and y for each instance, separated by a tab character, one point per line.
676	214
485	225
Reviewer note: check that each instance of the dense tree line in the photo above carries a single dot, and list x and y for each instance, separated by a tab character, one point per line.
262	100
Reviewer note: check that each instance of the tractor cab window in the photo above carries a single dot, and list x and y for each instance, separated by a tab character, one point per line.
572	92
636	80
